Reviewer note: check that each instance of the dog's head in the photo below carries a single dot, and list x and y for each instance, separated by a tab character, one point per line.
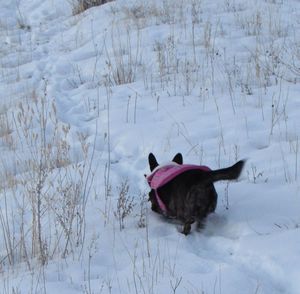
153	162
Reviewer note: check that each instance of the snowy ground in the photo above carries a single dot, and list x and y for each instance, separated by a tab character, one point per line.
85	98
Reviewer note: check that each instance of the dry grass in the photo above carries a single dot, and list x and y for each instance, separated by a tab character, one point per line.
80	6
44	191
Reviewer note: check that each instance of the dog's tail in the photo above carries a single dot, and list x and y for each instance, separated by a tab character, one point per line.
229	173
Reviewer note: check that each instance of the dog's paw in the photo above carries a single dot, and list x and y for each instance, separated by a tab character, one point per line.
186	229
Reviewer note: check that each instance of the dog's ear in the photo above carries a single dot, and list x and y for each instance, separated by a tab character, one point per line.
152	162
178	158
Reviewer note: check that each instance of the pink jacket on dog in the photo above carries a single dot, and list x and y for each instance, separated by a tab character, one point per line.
161	175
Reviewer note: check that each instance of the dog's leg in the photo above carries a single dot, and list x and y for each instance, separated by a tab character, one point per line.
200	225
188	212
187	227
213	198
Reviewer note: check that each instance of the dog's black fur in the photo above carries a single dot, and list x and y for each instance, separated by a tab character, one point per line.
191	196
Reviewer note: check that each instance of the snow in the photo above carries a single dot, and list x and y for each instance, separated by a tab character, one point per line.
87	97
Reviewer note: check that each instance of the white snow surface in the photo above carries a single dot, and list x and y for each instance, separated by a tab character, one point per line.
217	81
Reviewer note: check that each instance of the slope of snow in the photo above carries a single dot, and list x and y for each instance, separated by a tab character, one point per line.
215	80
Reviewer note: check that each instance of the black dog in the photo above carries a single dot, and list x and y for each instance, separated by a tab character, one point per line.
187	195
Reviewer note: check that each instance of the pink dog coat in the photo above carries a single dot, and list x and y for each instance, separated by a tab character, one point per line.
162	175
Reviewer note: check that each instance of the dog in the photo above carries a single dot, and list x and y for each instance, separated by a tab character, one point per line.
186	192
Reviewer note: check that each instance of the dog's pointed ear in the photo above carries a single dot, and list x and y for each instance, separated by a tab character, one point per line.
152	162
178	158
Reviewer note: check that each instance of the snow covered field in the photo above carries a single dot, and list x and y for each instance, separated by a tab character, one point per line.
84	99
